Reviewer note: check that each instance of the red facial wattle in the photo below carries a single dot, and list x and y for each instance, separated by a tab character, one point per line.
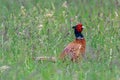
79	28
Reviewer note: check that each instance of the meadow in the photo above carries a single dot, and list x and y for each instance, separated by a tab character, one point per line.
31	28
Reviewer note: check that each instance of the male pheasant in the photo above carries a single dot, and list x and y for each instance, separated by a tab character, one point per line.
76	49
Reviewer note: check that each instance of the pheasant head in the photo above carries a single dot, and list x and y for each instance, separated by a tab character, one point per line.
78	31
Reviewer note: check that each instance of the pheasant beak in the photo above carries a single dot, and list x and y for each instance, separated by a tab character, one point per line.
83	27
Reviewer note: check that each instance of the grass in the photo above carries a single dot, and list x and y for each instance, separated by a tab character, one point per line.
36	27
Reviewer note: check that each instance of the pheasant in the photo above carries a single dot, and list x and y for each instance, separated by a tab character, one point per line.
76	49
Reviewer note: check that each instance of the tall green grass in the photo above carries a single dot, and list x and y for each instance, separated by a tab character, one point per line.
31	28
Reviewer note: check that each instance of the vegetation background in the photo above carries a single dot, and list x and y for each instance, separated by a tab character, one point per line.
31	28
